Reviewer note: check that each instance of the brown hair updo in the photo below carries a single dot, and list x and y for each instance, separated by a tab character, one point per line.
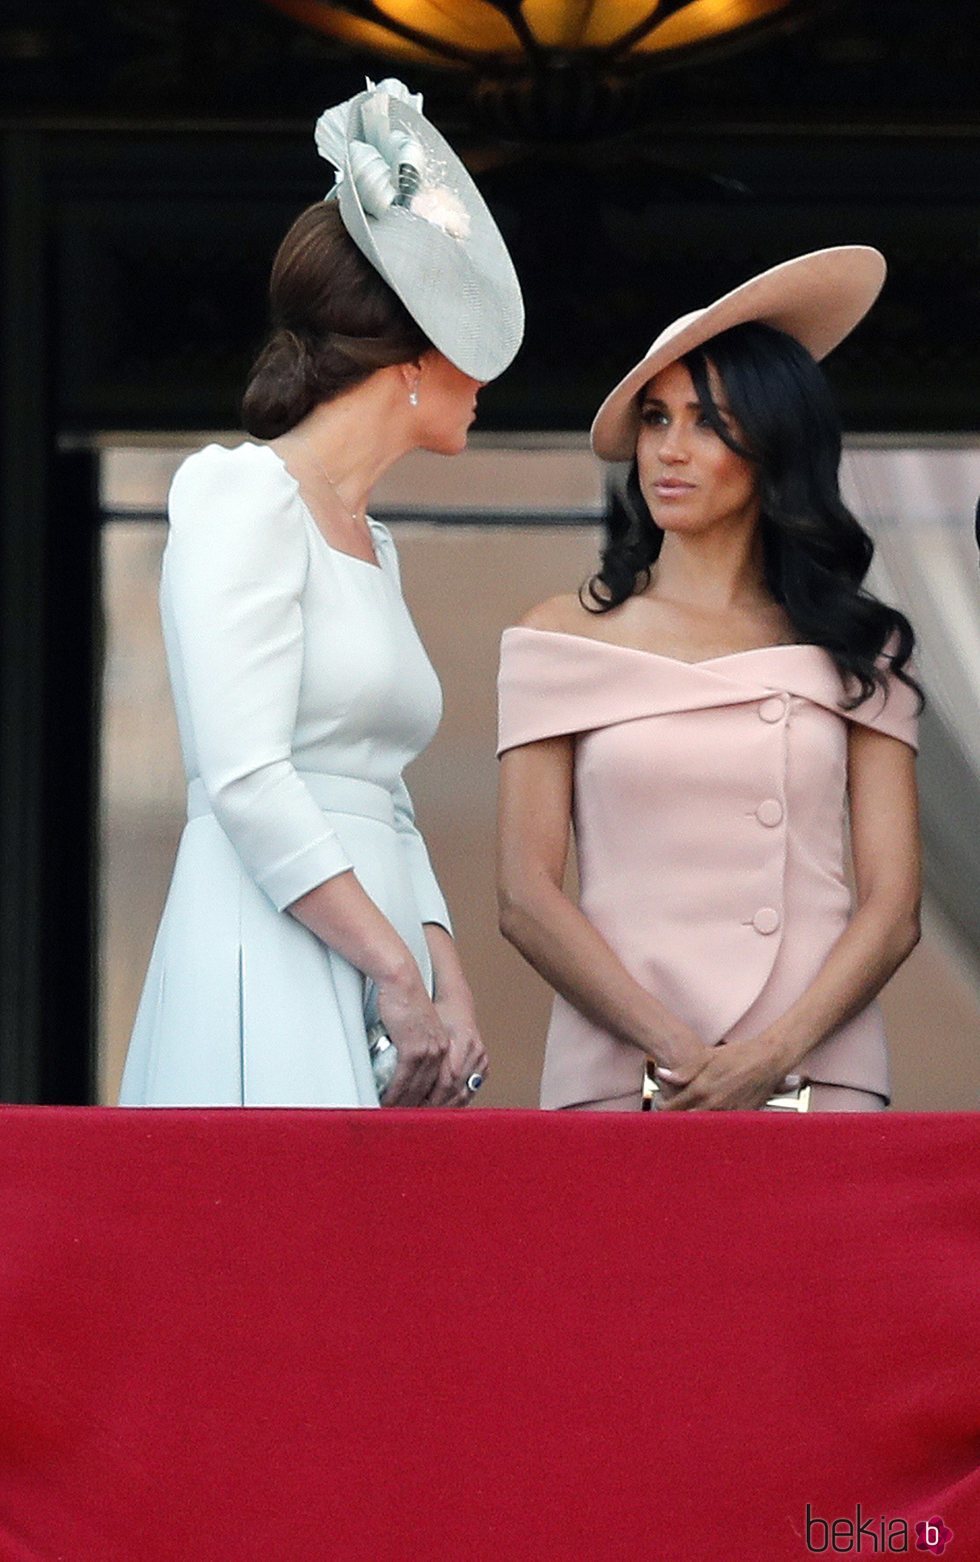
334	322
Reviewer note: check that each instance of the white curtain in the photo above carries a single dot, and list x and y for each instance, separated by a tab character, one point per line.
919	504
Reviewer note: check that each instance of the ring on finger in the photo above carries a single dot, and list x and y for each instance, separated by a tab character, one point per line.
474	1082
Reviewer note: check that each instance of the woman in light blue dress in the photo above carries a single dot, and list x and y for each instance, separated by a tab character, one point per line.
303	906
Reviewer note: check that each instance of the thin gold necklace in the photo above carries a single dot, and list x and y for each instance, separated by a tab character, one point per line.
352	515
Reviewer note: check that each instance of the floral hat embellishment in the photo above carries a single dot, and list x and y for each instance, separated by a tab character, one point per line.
409	205
438	204
388	165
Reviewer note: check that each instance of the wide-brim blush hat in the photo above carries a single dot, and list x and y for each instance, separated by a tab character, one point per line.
414	212
817	298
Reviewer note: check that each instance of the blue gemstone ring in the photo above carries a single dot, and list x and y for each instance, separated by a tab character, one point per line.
474	1082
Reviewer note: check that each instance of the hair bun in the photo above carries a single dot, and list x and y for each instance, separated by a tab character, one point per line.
344	323
279	391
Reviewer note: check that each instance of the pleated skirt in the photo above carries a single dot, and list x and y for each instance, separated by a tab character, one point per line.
242	1005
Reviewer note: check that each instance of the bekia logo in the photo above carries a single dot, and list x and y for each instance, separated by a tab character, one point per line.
883	1536
932	1535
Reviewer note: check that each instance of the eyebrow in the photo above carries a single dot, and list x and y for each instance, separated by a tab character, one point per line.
691	406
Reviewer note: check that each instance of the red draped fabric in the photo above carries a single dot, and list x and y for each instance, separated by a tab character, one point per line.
278	1335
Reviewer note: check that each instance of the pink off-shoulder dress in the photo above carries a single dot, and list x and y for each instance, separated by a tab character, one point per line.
710	807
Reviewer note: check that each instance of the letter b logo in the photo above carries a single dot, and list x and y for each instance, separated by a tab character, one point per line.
932	1535
815	1541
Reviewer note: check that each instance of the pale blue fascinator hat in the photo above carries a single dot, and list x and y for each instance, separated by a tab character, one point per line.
414	212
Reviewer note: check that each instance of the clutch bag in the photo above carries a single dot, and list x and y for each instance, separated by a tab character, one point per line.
383	1054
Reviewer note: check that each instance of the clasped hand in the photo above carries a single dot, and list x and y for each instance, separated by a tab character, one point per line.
439	1048
734	1076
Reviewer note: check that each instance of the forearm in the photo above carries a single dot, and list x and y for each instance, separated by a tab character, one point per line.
447	971
871	948
556	937
342	915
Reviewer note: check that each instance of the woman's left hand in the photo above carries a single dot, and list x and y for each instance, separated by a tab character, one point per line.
467	1055
736	1076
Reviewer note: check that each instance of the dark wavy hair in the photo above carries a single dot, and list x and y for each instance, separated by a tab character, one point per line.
816	554
334	321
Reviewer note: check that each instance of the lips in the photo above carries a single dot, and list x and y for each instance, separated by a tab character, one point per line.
672	488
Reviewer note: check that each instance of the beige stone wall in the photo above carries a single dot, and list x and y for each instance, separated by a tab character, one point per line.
464	585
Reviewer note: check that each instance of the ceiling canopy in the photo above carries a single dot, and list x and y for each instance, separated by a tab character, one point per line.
509	33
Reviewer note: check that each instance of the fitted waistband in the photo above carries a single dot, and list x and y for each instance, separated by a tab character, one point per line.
334	794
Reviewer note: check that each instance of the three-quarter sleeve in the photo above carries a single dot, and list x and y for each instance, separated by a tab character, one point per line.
425	886
234	570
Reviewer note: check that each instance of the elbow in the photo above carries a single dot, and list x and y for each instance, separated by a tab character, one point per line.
529	894
509	913
901	934
233	791
515	913
227	800
908	926
894	914
910	932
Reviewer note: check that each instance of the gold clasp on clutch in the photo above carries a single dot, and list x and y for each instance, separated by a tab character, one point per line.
651	1087
797	1100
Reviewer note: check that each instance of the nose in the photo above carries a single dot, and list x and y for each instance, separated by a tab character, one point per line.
673	445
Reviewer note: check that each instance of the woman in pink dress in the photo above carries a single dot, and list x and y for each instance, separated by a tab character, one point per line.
726	717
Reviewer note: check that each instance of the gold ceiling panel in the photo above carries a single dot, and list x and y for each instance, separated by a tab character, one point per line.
707	19
451	32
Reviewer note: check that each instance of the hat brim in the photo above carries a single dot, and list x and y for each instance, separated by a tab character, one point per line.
463	293
817	298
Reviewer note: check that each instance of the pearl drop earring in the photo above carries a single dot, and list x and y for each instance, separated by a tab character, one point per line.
413	396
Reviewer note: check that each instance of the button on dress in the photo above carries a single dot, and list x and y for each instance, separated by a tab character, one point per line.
710	803
302	690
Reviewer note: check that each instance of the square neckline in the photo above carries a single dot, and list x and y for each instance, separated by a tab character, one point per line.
339	553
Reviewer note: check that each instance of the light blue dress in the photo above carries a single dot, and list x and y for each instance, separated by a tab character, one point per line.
302	690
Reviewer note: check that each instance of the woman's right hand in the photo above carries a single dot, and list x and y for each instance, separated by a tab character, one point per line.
422	1042
681	1049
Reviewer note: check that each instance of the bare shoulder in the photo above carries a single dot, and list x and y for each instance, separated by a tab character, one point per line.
561	615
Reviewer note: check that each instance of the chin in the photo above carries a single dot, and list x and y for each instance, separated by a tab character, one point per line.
448	444
670	521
